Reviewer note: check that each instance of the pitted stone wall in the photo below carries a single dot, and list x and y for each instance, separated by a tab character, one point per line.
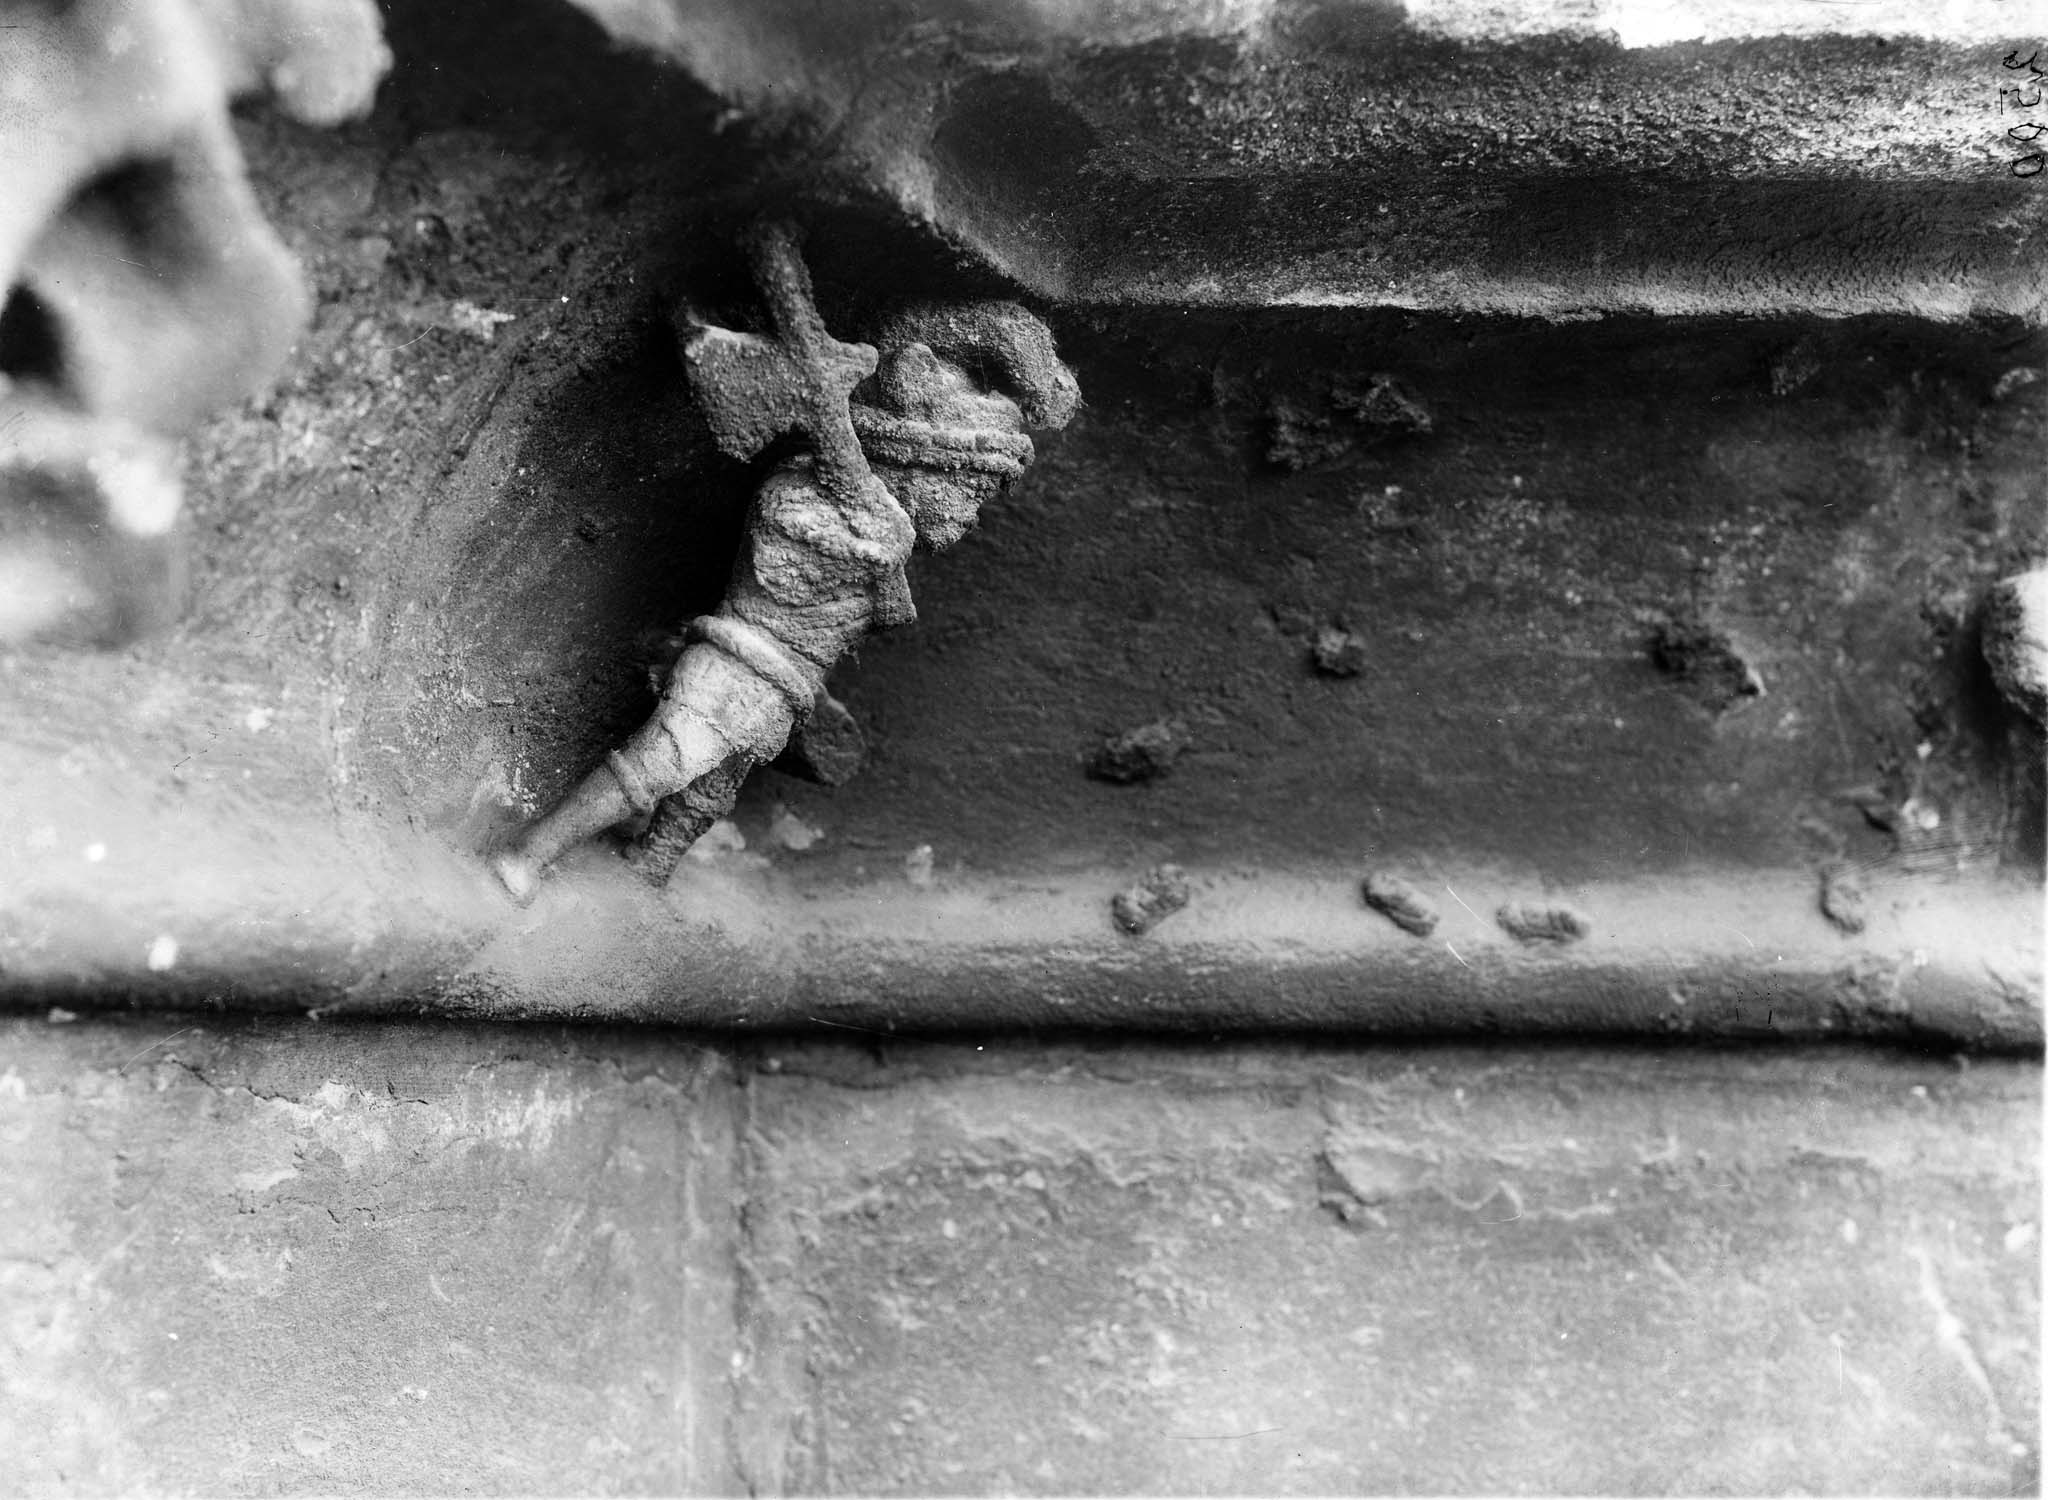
303	1258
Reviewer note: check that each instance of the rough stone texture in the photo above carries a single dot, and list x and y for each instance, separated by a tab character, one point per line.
1561	159
1495	343
1312	1271
2016	639
140	289
293	1257
430	575
302	1259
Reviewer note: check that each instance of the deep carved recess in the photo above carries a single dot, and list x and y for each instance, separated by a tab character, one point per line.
900	446
140	287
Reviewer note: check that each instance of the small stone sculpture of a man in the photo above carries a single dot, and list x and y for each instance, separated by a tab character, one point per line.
822	564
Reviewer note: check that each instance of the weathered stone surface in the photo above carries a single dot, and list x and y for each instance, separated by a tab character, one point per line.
1308	1271
2016	639
293	1257
429	573
140	288
401	1260
1549	160
1590	371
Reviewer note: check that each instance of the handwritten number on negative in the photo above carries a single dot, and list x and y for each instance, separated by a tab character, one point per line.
2030	165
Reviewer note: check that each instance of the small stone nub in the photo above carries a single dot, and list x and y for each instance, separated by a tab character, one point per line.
1140	754
1142	907
1336	652
1533	922
1843	898
1400	903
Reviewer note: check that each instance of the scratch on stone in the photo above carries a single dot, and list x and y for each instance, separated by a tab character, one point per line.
1599	1208
1458	898
1454	952
1216	1437
1506	1190
849	1026
152	1047
1664	1268
1952	1336
482	414
2013	992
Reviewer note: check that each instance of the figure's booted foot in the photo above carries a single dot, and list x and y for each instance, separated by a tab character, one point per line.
520	876
599	801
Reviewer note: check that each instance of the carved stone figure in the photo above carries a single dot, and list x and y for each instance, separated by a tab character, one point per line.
823	561
140	287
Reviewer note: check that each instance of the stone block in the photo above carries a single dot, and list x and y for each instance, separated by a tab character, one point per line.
1436	1270
283	1257
301	1259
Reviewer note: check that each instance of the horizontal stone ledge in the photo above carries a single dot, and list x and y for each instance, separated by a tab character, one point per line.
1736	954
1619	156
1569	248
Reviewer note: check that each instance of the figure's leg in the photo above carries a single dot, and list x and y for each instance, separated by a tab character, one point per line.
683	818
716	707
599	801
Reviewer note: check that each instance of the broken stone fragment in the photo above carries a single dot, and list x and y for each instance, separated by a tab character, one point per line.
2016	640
1299	438
1705	660
1542	922
722	837
1384	407
1305	435
1400	903
1356	1179
1843	898
828	748
1796	366
788	831
1139	754
1878	809
1142	907
1336	652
